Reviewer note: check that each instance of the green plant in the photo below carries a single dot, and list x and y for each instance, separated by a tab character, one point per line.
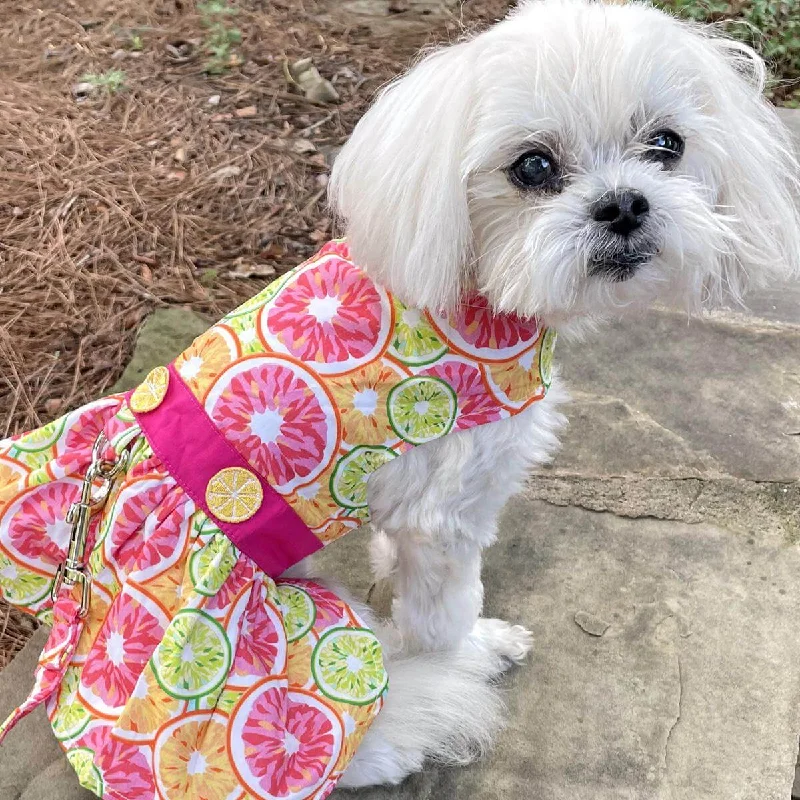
772	27
136	42
220	38
111	80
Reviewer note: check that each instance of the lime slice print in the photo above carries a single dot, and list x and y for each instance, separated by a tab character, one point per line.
70	721
20	586
415	342
70	717
298	609
348	666
422	408
194	656
546	357
210	566
82	760
41	438
349	479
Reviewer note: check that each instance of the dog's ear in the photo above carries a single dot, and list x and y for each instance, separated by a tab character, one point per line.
760	178
399	186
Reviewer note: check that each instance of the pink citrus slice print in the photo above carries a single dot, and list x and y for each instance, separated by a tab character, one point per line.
82	427
150	530
261	647
476	330
123	647
278	417
191	761
476	405
123	767
36	526
329	315
284	742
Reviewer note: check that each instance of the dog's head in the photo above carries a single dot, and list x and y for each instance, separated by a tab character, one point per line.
576	159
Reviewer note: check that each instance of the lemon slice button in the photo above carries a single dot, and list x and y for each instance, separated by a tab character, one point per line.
151	393
234	494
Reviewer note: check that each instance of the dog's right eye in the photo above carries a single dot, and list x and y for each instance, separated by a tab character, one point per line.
534	170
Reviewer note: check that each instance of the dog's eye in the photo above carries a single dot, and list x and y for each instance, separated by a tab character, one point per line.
533	170
666	147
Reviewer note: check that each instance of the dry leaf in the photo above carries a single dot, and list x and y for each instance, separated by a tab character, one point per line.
247	111
53	406
241	269
305	75
303	146
229	171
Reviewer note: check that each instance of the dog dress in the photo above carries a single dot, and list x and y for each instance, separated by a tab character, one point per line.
151	530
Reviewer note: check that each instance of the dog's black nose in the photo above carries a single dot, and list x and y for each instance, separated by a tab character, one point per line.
624	210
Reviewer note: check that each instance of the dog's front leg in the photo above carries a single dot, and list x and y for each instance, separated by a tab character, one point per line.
437	507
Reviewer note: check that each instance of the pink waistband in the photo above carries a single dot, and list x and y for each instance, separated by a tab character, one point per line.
193	450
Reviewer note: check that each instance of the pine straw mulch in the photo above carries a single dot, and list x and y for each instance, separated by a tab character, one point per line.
151	196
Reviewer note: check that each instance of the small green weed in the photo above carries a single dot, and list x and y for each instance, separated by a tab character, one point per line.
220	37
772	27
111	81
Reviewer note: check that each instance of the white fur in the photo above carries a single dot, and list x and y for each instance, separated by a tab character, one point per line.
430	212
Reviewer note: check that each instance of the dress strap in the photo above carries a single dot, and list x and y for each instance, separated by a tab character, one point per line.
217	477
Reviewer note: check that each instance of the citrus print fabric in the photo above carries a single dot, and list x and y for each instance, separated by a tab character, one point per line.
195	673
324	377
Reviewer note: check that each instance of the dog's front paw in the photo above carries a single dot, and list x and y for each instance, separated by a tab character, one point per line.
510	642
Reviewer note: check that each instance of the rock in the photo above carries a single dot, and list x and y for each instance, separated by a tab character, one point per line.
306	76
165	334
591	624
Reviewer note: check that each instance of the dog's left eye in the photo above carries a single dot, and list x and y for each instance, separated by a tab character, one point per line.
534	170
665	147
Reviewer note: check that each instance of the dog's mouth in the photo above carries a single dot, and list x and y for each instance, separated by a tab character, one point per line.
622	265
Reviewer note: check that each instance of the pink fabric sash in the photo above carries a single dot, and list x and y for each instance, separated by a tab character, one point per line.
193	450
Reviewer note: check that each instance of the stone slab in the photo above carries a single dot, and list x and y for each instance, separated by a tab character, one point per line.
663	396
32	765
691	689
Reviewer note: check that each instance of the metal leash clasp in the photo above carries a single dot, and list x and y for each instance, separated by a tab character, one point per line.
93	498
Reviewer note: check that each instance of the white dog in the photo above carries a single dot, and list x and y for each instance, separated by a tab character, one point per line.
574	161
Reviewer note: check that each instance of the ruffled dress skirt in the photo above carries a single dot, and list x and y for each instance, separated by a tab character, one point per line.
194	675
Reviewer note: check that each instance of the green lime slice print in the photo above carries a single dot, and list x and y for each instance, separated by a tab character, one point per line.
194	656
348	666
41	438
19	586
422	409
82	760
546	357
299	611
349	479
210	566
415	342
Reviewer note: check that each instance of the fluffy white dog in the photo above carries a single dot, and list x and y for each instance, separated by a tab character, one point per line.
574	161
